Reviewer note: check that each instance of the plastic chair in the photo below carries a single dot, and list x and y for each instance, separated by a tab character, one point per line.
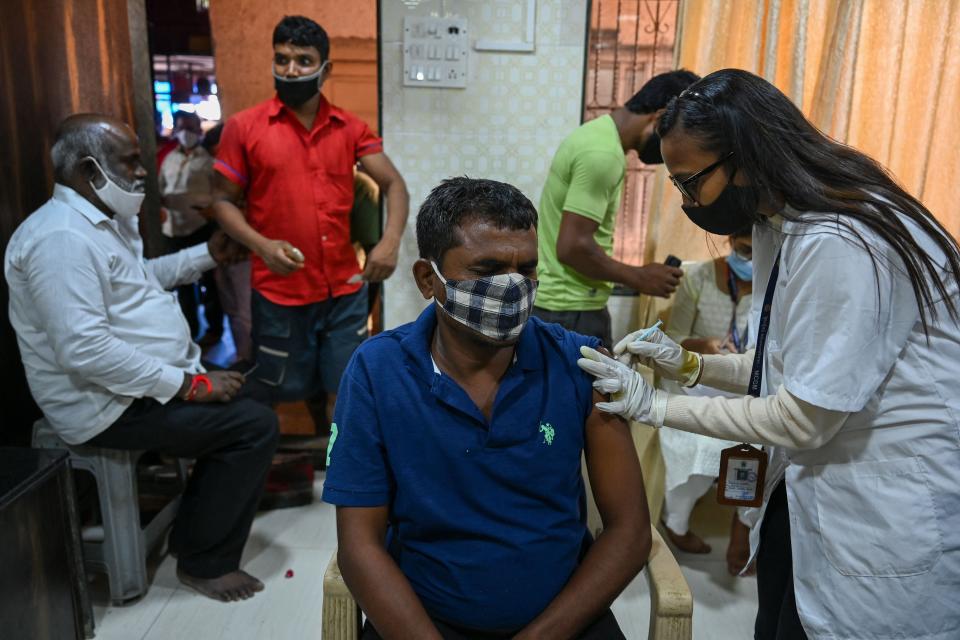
671	604
122	553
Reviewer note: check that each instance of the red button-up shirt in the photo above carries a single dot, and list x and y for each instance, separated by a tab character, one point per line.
299	188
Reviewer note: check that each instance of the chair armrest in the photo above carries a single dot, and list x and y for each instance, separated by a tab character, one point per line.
671	604
341	615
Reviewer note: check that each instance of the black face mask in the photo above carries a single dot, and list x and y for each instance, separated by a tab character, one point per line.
650	153
734	210
293	92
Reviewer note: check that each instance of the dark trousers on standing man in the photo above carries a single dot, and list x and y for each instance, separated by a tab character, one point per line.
204	291
777	617
233	444
594	323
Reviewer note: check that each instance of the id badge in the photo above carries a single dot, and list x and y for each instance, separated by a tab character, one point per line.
743	469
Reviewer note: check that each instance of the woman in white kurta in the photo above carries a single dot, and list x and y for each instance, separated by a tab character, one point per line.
855	389
709	315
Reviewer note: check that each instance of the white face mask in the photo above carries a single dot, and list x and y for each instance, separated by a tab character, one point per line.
123	203
187	139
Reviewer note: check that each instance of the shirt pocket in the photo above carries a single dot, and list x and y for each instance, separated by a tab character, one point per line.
878	519
336	189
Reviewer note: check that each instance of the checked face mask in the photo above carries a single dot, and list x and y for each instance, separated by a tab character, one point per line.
496	306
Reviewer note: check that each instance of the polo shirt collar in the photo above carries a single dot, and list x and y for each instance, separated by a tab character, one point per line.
325	111
66	195
417	345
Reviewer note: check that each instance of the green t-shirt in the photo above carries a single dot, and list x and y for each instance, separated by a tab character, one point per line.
586	178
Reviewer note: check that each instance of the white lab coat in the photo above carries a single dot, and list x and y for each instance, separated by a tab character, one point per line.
875	512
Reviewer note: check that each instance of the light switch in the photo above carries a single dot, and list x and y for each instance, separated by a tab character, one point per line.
435	52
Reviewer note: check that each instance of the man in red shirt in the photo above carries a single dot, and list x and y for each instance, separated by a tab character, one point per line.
292	160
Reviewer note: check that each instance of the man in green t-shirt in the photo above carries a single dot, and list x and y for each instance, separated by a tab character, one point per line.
578	210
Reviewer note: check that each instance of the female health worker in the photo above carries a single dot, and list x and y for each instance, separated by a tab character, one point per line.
856	389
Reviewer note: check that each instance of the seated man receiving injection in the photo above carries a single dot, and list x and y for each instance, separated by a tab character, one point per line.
455	460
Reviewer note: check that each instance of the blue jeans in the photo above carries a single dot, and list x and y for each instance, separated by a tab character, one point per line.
303	349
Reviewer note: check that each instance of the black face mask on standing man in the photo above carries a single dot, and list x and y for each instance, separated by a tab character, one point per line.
733	210
293	92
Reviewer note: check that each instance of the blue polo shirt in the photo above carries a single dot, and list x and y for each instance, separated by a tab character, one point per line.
487	520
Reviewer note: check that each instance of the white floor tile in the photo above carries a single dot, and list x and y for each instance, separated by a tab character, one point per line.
134	620
310	527
287	608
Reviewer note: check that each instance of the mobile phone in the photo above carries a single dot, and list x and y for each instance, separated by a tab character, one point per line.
672	261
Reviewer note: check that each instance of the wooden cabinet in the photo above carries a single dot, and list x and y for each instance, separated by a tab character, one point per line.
42	584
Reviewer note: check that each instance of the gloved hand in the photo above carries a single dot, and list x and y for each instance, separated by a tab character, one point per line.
633	398
662	354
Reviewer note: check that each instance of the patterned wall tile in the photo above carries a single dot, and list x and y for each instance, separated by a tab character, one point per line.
505	125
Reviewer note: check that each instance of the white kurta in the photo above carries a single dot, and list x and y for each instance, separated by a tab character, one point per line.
875	512
700	310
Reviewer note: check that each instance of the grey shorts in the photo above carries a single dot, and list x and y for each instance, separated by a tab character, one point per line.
304	349
594	323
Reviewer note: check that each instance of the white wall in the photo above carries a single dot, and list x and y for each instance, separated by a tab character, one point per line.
505	125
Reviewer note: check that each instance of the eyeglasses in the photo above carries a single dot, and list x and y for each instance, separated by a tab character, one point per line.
685	186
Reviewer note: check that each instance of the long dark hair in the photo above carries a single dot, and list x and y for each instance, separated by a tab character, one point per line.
786	157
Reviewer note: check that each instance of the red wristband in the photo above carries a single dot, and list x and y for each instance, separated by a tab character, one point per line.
199	379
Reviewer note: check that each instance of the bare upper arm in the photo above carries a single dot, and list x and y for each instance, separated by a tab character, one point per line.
614	470
575	232
226	189
381	169
362	525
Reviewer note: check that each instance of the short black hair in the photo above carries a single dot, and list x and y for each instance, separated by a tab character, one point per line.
302	32
659	90
456	200
185	115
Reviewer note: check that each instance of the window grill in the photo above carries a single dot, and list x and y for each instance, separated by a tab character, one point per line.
630	41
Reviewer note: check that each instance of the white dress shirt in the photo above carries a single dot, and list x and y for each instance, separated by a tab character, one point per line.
96	325
186	182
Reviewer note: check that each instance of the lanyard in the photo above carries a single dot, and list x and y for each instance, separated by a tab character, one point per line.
734	331
756	375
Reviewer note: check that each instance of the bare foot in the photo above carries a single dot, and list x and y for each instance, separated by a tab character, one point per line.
688	542
738	551
230	587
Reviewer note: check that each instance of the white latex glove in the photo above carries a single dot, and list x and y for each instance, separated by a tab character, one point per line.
661	354
633	398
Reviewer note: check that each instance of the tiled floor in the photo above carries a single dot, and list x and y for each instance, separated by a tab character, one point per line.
302	540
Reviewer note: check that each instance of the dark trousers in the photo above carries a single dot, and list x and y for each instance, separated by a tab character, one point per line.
589	323
204	291
304	349
603	628
777	617
233	444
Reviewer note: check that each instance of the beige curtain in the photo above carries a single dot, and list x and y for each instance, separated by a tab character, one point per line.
880	75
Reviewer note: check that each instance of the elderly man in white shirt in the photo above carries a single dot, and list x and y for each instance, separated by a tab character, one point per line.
109	357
